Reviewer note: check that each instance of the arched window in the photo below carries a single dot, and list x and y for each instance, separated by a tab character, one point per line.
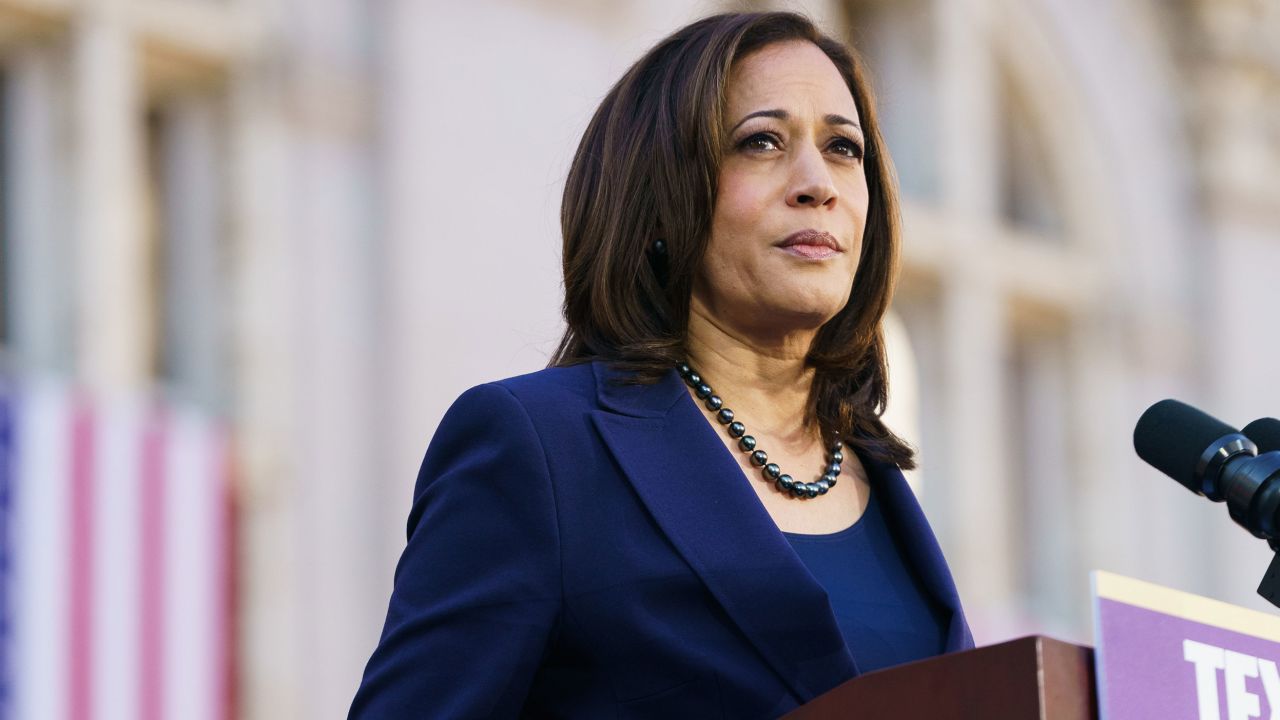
896	40
1029	194
187	230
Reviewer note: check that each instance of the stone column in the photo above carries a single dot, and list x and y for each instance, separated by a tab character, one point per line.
115	333
974	455
263	309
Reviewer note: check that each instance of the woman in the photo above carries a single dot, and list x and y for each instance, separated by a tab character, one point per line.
612	536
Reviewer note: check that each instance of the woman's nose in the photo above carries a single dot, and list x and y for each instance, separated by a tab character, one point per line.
811	182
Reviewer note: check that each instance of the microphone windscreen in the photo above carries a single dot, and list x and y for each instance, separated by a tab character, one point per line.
1265	433
1171	436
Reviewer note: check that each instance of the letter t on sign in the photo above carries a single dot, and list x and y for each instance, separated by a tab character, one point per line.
1208	661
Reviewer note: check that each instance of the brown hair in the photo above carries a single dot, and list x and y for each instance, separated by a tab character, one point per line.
647	168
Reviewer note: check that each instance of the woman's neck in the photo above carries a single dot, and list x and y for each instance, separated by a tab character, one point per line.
764	381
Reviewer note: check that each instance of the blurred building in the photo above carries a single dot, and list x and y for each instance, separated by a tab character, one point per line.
319	221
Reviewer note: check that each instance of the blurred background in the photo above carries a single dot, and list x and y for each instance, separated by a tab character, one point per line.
251	250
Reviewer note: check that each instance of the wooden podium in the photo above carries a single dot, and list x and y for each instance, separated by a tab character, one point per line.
1032	677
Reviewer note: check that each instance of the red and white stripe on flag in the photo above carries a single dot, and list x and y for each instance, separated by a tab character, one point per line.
115	559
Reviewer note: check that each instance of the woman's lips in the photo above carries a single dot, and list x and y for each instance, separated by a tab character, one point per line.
810	244
811	252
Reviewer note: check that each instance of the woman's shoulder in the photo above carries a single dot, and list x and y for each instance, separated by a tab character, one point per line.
570	383
539	411
557	394
560	378
552	390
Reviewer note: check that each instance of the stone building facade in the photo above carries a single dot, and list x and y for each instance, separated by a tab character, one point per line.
325	219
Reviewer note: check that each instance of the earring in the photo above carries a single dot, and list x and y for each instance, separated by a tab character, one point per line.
658	261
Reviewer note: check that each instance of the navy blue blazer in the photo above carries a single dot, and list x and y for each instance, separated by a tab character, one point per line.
578	548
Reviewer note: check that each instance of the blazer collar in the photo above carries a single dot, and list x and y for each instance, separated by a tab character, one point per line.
645	401
923	554
668	451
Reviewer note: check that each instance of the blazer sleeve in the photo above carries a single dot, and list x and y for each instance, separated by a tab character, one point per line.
477	590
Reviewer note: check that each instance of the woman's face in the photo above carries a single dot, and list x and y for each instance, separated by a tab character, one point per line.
792	201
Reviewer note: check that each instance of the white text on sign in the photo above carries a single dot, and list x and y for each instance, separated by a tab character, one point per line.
1236	670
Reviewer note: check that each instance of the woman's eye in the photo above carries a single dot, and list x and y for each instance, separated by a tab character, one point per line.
847	147
760	141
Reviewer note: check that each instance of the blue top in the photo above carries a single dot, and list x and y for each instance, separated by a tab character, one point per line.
886	616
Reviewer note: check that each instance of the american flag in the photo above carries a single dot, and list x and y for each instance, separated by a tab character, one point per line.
116	577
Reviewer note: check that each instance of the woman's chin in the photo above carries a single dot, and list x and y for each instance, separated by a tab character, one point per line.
794	316
806	301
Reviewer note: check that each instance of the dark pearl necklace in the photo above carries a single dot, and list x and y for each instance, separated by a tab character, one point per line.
759	458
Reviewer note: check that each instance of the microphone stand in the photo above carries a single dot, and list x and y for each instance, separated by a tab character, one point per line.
1270	587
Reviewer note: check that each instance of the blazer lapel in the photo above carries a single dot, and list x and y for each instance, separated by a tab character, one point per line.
903	512
697	495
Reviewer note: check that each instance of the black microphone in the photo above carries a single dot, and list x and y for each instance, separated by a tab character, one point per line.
1213	459
1265	433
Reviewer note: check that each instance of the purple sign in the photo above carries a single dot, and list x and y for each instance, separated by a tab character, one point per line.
1166	654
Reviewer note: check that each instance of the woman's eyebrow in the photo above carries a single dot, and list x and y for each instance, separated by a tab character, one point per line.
831	119
834	119
779	114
